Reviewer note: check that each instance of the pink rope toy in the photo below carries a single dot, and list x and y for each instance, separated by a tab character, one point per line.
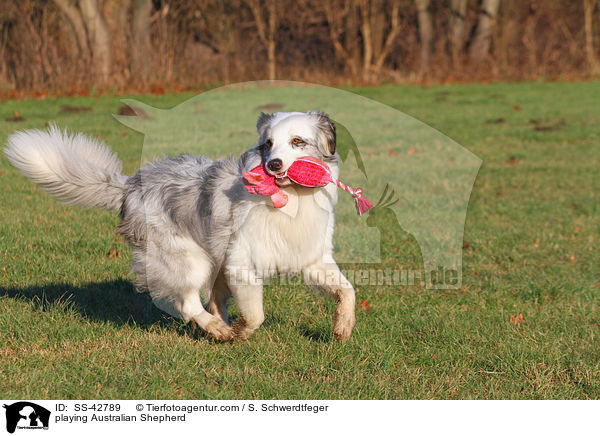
305	171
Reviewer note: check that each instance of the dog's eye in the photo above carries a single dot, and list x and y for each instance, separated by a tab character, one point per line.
297	141
268	143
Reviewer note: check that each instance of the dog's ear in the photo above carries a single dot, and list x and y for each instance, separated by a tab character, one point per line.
328	141
262	122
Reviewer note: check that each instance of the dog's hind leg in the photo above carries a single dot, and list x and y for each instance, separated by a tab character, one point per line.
191	309
174	279
327	276
247	291
217	303
188	306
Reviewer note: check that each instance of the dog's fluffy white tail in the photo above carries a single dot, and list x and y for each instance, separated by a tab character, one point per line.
76	169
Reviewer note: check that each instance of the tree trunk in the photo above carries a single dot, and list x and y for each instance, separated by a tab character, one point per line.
588	10
365	28
99	37
378	14
389	40
116	13
458	9
266	31
76	22
425	34
344	34
141	46
272	11
483	34
351	38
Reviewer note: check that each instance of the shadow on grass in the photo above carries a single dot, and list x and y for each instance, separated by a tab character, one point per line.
119	303
316	334
114	301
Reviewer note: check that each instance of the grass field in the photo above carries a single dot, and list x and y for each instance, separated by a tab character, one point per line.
525	324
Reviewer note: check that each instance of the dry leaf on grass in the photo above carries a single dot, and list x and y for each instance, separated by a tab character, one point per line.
517	319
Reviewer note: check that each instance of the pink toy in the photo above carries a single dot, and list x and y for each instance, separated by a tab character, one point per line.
258	182
305	171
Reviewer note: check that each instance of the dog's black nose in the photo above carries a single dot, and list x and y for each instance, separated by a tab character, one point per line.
275	165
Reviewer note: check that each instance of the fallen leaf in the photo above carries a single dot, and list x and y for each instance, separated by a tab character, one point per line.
16	117
516	107
412	150
512	160
365	305
114	253
465	245
517	319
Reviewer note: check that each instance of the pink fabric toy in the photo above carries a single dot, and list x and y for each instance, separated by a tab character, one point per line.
258	182
305	171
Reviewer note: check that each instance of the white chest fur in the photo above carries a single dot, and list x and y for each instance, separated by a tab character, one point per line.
286	239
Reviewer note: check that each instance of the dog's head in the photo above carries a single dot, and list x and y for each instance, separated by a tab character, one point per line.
286	136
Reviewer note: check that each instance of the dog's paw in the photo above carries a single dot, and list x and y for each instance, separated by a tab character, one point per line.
219	330
242	330
343	325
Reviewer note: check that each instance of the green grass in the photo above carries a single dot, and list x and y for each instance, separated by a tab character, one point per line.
72	326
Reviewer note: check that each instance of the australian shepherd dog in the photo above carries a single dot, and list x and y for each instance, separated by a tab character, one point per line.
195	230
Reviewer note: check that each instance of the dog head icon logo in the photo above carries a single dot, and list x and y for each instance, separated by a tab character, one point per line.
26	415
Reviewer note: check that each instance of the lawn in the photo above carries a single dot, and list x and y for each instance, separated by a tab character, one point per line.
524	325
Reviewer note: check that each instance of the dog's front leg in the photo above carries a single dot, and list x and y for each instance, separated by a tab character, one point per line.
328	277
247	291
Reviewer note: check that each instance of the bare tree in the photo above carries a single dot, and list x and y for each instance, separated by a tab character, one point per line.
588	10
266	24
375	48
54	45
480	46
217	22
141	45
92	32
98	35
377	34
378	15
342	24
458	10
425	34
351	39
73	15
